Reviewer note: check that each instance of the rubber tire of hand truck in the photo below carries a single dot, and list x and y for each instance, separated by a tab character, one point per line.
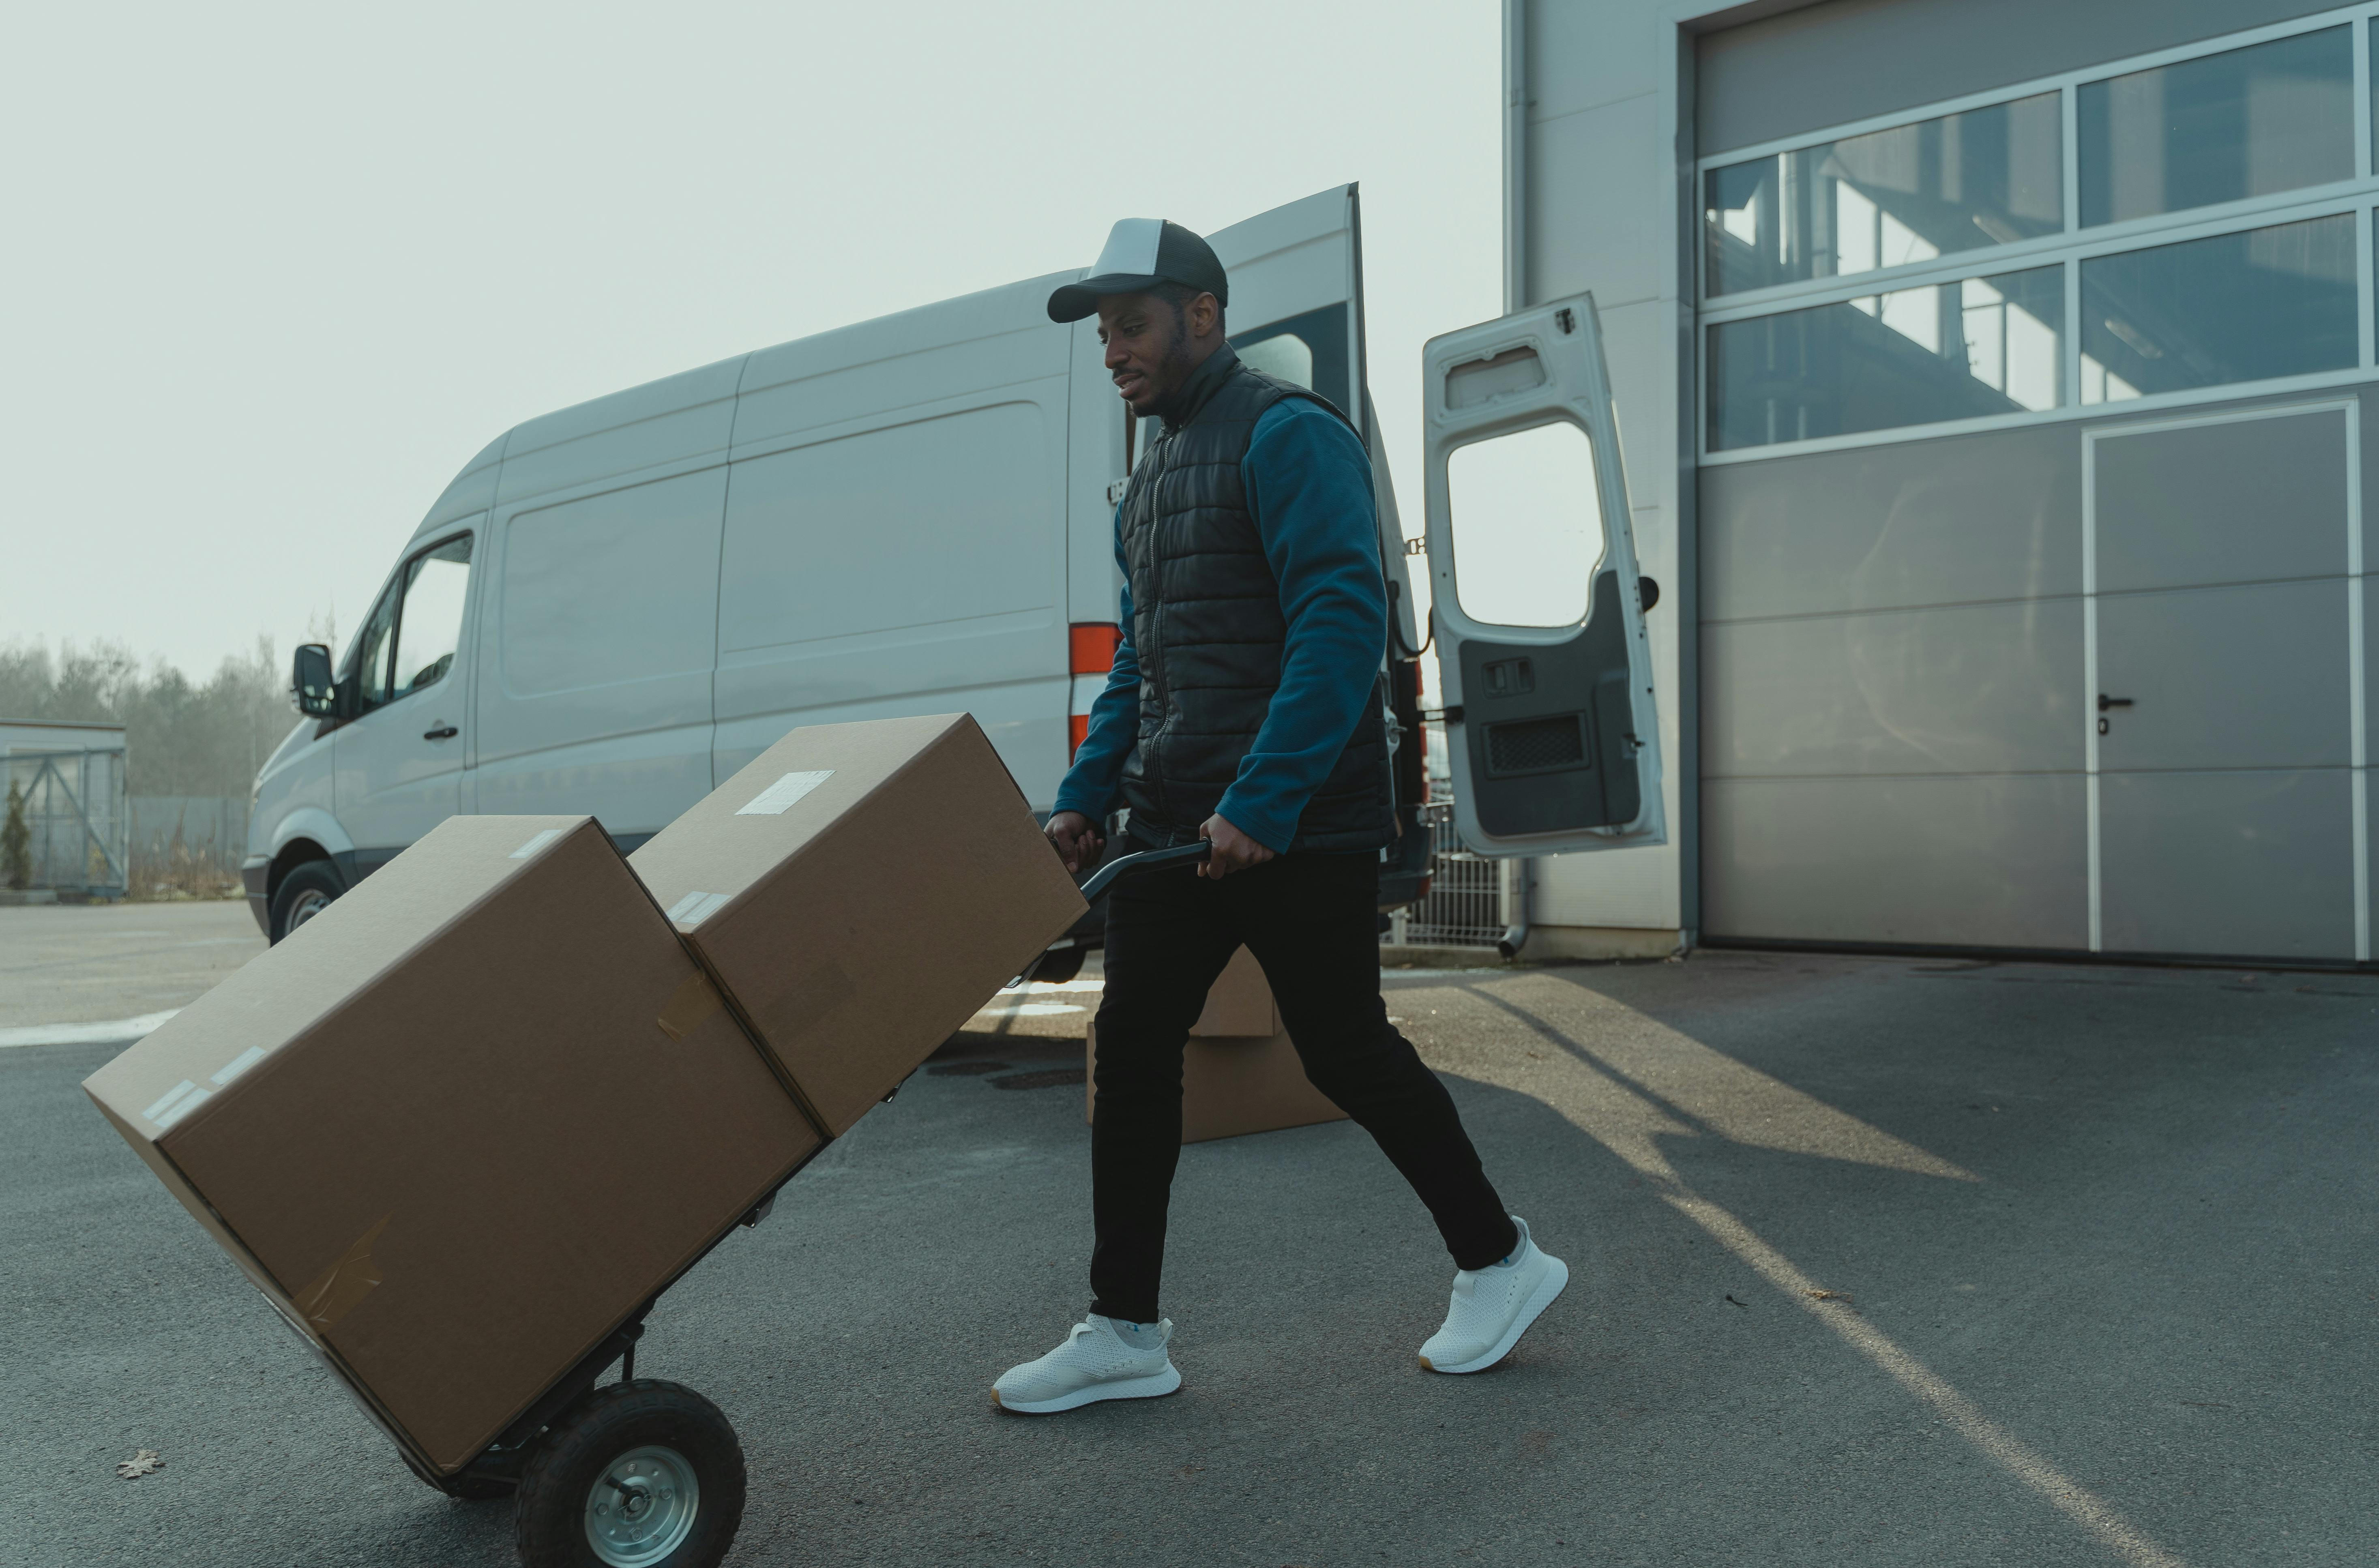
549	1521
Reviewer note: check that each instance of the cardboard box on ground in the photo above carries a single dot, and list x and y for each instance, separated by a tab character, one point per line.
467	1120
1239	1071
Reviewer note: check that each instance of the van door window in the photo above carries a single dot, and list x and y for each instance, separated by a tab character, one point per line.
429	624
373	645
1309	350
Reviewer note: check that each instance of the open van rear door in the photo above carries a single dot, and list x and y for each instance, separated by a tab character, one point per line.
1547	676
1297	312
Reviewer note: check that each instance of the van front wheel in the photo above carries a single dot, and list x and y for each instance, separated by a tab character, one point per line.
306	892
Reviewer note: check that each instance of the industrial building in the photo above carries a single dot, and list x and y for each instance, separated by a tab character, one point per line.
1990	380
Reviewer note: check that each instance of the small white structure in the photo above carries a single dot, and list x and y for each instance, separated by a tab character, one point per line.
72	778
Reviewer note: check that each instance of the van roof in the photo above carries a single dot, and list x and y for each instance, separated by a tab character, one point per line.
692	414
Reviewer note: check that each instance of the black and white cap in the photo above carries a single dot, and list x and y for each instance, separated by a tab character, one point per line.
1139	252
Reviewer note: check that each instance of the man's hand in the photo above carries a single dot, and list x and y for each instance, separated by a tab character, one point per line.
1078	842
1234	850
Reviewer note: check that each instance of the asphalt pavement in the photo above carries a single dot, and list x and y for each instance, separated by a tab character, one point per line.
1873	1261
86	965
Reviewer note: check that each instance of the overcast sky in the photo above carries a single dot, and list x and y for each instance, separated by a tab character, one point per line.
274	275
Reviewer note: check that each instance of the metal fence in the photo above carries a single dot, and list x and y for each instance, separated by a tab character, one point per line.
1470	899
187	843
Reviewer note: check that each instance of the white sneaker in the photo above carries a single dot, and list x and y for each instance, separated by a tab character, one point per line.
1101	1358
1493	1307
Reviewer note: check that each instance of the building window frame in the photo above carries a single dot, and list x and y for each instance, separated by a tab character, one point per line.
2069	248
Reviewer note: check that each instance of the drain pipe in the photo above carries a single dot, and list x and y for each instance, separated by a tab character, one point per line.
1516	298
1516	936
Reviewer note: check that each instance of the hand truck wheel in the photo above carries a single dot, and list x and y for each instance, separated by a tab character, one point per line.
636	1475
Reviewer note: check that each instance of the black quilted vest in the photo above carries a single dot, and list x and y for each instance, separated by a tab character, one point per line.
1207	624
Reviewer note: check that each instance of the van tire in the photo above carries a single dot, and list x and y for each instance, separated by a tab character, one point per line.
306	892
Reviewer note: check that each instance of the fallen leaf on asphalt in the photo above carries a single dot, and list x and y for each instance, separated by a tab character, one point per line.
144	1463
1828	1295
1731	1300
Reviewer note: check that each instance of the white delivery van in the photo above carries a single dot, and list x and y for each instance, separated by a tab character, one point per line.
614	607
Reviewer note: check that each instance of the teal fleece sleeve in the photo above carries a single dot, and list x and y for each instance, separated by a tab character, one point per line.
1308	483
1091	784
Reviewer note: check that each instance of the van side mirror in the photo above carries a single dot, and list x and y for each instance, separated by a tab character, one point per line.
311	684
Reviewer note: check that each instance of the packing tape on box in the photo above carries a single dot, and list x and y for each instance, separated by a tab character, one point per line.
694	908
340	1288
780	797
535	844
695	1000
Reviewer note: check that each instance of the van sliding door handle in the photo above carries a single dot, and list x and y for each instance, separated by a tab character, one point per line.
447	731
2106	702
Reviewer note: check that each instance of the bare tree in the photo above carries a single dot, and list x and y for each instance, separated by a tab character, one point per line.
185	737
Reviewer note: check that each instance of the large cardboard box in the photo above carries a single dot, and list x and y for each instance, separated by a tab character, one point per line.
1238	1004
1239	1071
858	891
464	1122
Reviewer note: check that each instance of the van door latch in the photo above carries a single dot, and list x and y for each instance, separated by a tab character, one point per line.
443	733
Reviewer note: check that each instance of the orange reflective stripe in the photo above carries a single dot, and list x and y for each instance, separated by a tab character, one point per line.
1093	648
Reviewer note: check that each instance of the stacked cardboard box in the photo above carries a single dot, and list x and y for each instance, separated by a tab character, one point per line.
1239	1071
858	890
463	1123
471	1119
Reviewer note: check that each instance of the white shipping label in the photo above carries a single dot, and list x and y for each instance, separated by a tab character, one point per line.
534	845
235	1067
183	1107
777	797
696	908
165	1102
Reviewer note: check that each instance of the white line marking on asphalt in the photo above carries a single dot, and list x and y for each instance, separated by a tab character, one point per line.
125	1030
1598	1100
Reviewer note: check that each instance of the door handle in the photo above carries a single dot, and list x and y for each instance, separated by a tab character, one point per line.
447	731
2106	702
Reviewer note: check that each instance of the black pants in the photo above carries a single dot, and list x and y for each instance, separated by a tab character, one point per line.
1312	922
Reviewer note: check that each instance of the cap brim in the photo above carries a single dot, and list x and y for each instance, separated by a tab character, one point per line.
1075	301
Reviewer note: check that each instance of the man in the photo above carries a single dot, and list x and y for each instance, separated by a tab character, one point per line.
1245	708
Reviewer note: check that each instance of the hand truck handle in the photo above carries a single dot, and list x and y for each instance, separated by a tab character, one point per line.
1146	860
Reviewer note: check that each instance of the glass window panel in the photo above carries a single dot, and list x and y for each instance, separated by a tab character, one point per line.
1309	349
1960	182
1286	355
430	624
2249	122
368	659
1917	356
2276	301
1526	522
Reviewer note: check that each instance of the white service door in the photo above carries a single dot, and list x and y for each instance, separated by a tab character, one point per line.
1547	676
